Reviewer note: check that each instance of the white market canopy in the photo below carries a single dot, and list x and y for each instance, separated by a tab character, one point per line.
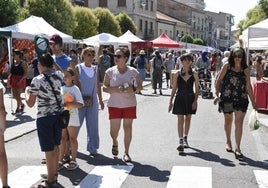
256	36
105	39
130	37
28	28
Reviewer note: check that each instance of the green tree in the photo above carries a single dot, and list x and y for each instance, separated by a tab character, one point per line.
107	21
9	12
126	23
190	39
86	23
198	41
264	6
57	13
253	16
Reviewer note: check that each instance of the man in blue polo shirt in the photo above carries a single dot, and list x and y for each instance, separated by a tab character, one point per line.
56	46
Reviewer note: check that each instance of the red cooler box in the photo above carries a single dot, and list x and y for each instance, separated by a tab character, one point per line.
260	91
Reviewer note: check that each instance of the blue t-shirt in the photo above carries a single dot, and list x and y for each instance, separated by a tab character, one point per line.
63	61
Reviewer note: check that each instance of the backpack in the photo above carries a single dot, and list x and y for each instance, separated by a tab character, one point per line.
158	63
141	63
105	60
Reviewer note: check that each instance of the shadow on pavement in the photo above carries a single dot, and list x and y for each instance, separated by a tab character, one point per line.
20	119
208	156
151	172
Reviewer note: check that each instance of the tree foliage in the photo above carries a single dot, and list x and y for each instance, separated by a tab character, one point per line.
57	13
86	23
126	23
189	38
9	12
107	21
198	41
254	15
264	6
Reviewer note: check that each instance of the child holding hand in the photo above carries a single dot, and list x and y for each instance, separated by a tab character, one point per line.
72	101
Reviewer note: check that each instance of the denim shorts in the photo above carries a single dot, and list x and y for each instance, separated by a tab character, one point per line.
49	133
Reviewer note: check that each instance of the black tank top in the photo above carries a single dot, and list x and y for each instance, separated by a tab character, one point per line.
17	69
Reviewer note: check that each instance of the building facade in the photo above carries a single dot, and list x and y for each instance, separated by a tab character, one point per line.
142	12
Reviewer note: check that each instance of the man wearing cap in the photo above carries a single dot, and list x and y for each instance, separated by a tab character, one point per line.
141	63
56	45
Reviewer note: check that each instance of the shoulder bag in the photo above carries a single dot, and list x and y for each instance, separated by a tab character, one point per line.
64	116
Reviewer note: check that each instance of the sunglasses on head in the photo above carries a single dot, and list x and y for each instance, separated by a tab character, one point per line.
238	56
118	56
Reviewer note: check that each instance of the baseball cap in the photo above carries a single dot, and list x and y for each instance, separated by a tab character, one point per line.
55	39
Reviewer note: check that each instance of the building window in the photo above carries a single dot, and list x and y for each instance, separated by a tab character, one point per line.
121	3
152	6
140	24
103	3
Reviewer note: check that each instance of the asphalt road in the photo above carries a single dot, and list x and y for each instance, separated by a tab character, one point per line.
156	162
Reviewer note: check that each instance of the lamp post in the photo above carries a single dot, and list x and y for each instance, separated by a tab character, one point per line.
186	35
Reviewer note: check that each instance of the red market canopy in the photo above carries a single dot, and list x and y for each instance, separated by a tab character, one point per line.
163	41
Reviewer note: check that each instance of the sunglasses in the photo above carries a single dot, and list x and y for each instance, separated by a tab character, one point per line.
237	56
118	56
90	55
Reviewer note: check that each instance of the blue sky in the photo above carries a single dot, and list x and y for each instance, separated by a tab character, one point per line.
238	8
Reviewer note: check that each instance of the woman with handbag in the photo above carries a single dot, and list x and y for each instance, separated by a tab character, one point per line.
49	132
234	86
87	79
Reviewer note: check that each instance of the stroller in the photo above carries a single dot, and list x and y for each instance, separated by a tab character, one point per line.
205	80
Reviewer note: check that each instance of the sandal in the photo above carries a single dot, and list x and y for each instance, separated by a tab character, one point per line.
115	150
126	158
66	159
72	165
61	165
43	161
238	155
47	184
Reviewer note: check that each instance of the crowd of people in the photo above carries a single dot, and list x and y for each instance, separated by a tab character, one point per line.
55	81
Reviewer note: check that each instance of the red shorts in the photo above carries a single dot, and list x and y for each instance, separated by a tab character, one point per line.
122	113
14	82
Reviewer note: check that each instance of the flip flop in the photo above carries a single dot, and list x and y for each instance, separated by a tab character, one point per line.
72	165
115	150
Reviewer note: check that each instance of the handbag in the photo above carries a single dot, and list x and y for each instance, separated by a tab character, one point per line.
88	101
64	116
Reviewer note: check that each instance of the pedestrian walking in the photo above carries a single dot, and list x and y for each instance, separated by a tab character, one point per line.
49	132
18	75
104	63
169	65
121	82
88	81
72	101
3	155
158	67
234	86
185	103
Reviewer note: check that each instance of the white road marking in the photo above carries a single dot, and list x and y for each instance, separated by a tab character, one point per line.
106	176
190	177
262	178
25	176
